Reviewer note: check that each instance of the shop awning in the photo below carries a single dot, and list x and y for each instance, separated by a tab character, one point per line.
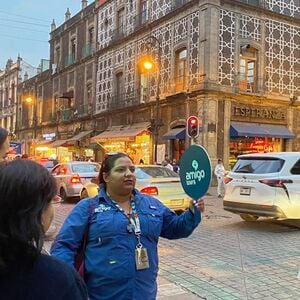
78	137
57	143
260	130
175	133
121	132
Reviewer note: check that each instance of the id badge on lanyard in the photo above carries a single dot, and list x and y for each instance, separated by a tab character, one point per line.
141	254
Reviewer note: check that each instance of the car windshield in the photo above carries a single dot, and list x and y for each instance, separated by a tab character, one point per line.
154	172
85	168
258	165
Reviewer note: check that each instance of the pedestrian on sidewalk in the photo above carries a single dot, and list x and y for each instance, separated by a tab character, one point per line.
220	173
121	259
4	143
27	192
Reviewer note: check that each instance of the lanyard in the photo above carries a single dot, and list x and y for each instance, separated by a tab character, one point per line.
134	219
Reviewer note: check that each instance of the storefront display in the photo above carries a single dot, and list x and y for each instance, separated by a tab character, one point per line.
137	149
246	145
133	139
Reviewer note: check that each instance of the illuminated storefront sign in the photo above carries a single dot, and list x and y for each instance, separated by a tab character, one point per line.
250	112
49	136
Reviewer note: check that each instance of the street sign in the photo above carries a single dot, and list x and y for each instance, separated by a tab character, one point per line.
195	171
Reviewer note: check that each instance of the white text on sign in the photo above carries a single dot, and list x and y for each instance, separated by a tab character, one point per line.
191	177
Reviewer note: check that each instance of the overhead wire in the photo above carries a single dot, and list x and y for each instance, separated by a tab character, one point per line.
22	38
23	22
23	16
22	28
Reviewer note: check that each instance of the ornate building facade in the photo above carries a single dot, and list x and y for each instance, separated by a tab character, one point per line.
10	77
60	117
234	64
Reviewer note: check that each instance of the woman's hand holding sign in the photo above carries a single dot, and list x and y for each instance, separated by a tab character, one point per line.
198	203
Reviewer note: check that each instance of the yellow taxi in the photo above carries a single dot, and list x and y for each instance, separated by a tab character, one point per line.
155	180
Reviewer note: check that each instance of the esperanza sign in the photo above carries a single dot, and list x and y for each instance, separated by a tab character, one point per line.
195	171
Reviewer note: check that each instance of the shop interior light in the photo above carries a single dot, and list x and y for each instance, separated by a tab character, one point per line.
42	148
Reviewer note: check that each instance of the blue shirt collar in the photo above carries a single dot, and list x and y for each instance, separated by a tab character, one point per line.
103	196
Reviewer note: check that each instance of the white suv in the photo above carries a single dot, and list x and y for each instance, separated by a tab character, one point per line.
264	184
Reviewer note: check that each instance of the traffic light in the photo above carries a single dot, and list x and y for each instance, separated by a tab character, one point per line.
192	127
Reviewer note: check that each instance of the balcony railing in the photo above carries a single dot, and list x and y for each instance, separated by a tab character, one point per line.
66	115
247	86
51	118
253	2
180	83
179	3
141	19
83	110
128	99
118	33
70	59
88	50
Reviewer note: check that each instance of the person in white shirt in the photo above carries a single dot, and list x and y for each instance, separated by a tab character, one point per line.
166	163
220	173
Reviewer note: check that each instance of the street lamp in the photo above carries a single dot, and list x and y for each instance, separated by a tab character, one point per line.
149	65
31	101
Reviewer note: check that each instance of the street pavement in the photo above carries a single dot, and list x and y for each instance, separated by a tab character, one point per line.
227	258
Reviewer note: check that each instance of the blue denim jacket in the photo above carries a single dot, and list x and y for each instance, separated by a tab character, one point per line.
110	271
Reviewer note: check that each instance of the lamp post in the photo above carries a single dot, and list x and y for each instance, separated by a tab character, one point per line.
148	65
32	101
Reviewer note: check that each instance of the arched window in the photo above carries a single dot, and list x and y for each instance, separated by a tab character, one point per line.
248	69
180	69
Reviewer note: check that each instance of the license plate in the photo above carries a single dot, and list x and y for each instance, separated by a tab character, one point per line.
177	202
245	191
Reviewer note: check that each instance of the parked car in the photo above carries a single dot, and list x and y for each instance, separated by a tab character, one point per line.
264	184
71	176
158	181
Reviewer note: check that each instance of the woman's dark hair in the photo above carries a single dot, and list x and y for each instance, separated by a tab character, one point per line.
3	135
26	189
108	164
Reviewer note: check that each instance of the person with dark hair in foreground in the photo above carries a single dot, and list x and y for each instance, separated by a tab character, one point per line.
27	195
4	143
122	228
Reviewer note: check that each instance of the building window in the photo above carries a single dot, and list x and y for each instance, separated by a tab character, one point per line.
180	71
119	88
120	21
73	49
91	33
57	56
13	94
248	70
144	11
89	93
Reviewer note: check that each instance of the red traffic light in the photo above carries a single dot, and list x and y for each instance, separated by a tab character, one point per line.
192	127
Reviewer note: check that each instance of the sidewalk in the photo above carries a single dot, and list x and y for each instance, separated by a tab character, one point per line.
168	291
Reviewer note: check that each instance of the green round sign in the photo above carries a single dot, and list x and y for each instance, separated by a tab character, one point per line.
195	171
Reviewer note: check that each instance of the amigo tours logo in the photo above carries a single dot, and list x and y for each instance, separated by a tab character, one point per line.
194	176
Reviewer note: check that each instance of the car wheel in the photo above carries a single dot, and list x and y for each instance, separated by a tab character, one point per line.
248	218
63	195
84	194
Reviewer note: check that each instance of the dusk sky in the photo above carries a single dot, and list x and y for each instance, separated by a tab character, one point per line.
25	27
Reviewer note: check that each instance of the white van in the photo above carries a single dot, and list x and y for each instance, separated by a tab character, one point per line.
264	184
